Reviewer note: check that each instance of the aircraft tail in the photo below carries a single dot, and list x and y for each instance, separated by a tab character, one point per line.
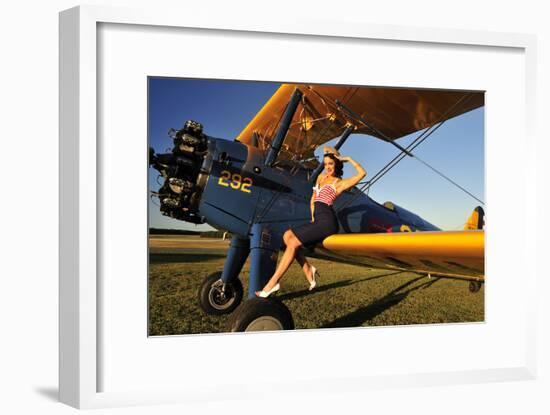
476	220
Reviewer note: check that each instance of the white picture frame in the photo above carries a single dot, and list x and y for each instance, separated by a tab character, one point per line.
80	302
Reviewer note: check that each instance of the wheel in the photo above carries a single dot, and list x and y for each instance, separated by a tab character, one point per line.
217	298
475	286
261	314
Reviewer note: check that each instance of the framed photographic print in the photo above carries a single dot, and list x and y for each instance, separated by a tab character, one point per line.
217	181
221	209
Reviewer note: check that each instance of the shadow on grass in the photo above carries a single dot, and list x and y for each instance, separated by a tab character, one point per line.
183	257
375	277
340	284
394	297
322	288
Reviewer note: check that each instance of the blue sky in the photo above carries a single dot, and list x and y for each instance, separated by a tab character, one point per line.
226	107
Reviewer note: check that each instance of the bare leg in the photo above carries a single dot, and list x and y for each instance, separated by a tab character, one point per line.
292	245
306	267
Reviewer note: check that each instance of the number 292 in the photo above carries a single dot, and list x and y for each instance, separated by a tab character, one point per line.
235	181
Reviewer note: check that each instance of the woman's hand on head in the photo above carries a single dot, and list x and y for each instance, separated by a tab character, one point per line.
343	159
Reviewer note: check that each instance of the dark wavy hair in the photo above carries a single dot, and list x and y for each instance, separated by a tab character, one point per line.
338	165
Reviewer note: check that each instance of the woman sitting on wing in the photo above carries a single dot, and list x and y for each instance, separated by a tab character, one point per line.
323	219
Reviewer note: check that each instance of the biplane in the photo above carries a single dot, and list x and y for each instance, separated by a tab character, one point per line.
259	184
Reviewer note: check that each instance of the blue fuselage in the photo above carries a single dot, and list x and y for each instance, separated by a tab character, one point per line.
242	191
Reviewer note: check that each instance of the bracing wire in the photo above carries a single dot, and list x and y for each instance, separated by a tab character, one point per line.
409	149
392	163
449	180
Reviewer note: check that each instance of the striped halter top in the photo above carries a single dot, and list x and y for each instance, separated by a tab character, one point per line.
326	194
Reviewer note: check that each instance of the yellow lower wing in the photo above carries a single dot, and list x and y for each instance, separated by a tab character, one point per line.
445	253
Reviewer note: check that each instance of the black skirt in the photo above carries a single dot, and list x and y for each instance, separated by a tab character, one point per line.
325	224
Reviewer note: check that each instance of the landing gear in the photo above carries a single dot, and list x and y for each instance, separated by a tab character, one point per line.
261	314
217	298
475	286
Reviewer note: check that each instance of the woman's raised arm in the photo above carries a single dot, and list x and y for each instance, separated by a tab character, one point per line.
345	184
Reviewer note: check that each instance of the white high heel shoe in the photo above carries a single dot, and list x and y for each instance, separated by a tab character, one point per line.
265	294
313	282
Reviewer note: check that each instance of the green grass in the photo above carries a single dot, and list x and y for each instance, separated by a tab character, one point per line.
347	296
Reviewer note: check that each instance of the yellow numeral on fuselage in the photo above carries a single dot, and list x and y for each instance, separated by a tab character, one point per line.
224	176
237	181
247	182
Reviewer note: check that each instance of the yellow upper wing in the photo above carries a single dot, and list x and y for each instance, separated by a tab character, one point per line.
393	112
447	253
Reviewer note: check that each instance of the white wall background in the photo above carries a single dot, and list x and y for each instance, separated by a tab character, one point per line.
28	212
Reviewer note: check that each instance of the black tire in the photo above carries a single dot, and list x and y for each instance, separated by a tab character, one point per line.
261	314
215	298
475	286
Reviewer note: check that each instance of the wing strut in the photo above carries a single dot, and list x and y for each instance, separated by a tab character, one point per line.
283	127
